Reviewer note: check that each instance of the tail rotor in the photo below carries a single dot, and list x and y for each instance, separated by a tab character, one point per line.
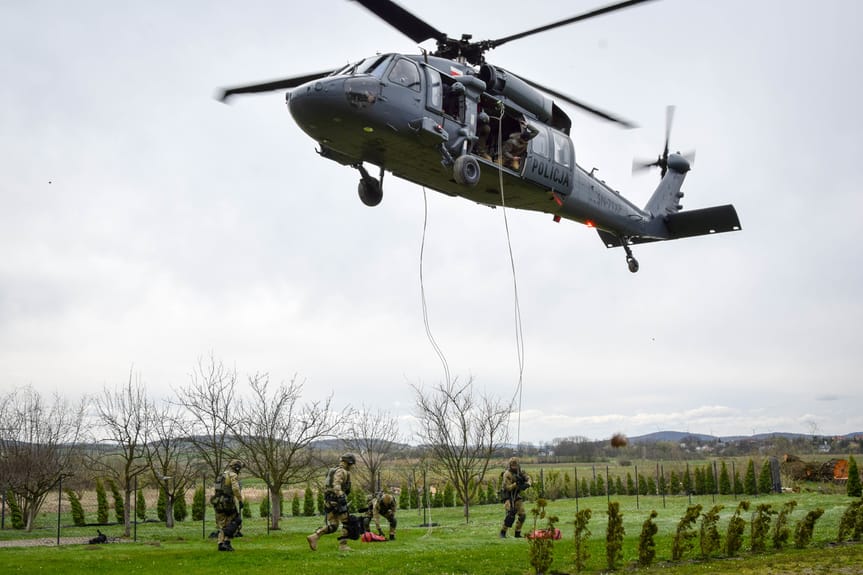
661	161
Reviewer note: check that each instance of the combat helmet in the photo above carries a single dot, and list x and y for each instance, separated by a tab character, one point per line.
348	458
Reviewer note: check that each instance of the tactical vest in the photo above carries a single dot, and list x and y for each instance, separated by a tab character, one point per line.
223	495
328	485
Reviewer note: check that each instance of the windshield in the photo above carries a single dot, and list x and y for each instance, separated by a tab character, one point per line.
374	66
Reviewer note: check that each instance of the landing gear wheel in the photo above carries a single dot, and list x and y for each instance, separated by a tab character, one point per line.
370	191
630	259
466	170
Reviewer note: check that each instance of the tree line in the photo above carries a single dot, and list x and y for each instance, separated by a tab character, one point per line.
127	439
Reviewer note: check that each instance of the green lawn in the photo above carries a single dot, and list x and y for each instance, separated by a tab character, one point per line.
451	547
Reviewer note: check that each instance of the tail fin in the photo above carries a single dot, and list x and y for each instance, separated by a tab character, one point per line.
666	199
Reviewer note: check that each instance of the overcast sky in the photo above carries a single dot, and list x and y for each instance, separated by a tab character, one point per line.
144	225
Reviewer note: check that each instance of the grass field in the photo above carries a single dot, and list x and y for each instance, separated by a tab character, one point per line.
450	547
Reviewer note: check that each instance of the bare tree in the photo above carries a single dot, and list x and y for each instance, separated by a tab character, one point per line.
463	431
37	446
209	399
277	432
371	436
123	415
167	456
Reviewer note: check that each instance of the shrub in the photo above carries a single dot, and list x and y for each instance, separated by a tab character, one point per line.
760	527
542	546
141	505
15	514
646	543
765	478
750	487
448	495
851	524
781	532
853	487
161	505
181	511
321	502
709	479
683	537
101	503
119	506
736	526
710	540
264	508
295	505
614	536
77	510
674	485
490	494
724	480
737	485
308	502
582	534
199	504
805	527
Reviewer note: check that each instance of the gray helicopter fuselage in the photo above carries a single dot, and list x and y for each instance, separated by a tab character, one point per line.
366	114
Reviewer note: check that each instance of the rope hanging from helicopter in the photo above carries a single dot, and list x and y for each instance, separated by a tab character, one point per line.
431	339
519	336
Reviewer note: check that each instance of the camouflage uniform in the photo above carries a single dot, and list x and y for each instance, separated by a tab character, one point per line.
336	491
228	512
516	145
514	482
382	505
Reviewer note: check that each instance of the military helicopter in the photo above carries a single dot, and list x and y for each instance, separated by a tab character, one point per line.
453	122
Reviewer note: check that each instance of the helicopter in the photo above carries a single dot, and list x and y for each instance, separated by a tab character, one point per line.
453	122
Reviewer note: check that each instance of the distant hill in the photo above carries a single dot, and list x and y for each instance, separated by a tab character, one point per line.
679	436
674	436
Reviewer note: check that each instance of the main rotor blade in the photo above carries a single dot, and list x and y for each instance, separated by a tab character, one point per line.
585	16
271	86
669	119
590	109
414	28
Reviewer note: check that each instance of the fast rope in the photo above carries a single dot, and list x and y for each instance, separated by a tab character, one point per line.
519	337
431	339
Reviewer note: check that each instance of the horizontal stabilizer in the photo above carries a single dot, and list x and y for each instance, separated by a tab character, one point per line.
713	220
686	224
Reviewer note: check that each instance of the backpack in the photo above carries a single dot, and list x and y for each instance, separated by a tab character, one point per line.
223	497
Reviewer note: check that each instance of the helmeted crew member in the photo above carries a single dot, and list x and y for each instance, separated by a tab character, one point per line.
336	491
515	481
382	505
228	503
516	145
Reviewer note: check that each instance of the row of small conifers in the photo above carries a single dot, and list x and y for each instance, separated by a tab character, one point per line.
768	527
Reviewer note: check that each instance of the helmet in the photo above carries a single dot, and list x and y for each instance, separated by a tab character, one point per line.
236	464
348	458
387	499
513	462
483	118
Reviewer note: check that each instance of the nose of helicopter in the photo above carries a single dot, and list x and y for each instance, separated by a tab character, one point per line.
321	105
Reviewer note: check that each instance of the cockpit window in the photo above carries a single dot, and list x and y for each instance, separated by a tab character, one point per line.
374	66
406	73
